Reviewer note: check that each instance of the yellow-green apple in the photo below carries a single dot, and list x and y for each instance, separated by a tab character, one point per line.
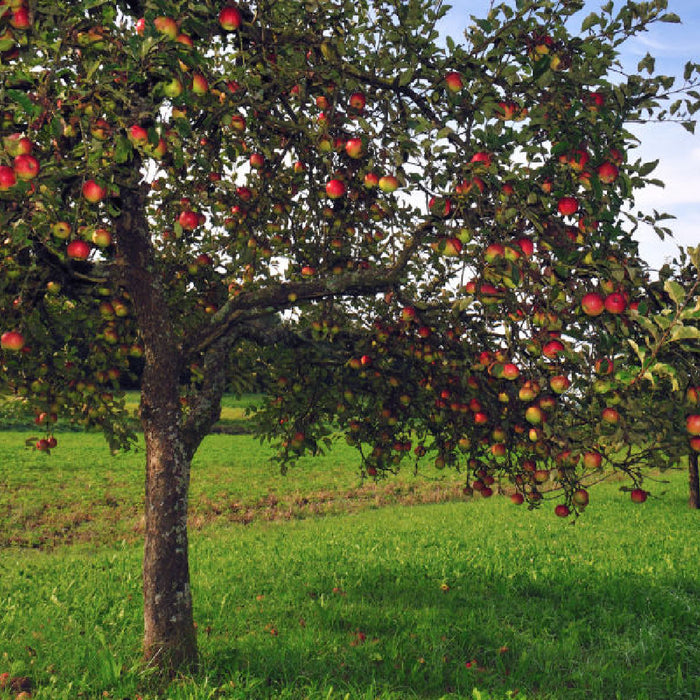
200	86
580	498
592	304
17	145
173	88
529	390
166	26
230	18
238	122
493	252
61	229
534	415
449	247
559	383
102	238
93	192
388	183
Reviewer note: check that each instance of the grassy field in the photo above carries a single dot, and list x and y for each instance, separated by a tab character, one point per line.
457	599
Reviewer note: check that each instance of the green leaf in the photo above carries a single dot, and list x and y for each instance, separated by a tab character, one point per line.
670	17
647	168
680	332
590	21
675	291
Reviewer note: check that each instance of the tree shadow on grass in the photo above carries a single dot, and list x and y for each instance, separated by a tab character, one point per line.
574	634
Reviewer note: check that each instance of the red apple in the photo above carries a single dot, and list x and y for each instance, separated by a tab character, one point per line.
353	147
615	303
26	167
230	18
562	511
357	101
17	144
7	178
638	495
138	135
695	444
12	340
607	173
692	424
482	158
257	160
510	371
610	416
371	180
335	189
493	252
592	460
449	247
567	206
20	18
189	220
592	304
517	498
78	250
453	80
93	192
552	349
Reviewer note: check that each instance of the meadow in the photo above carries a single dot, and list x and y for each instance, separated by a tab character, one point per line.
317	585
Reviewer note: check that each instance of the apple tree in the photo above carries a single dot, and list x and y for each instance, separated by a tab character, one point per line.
423	247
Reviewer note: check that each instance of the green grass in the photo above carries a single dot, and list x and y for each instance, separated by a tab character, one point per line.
389	602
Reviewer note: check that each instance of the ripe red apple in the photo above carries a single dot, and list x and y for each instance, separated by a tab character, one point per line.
20	18
453	80
692	424
353	147
567	206
166	26
371	180
388	183
562	511
12	340
78	250
517	498
592	460
482	158
615	303
592	304
188	219
610	416
449	247
17	144
695	444
93	192
230	18
638	495
510	371
138	135
607	173
493	252
7	178
553	349
257	160
335	188
357	101
26	167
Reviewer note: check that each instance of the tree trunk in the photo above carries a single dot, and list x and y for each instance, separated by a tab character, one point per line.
693	481
169	634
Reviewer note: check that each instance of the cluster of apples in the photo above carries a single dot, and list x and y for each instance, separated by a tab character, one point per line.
25	166
692	421
15	18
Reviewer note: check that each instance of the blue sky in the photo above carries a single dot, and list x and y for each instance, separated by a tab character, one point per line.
677	150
